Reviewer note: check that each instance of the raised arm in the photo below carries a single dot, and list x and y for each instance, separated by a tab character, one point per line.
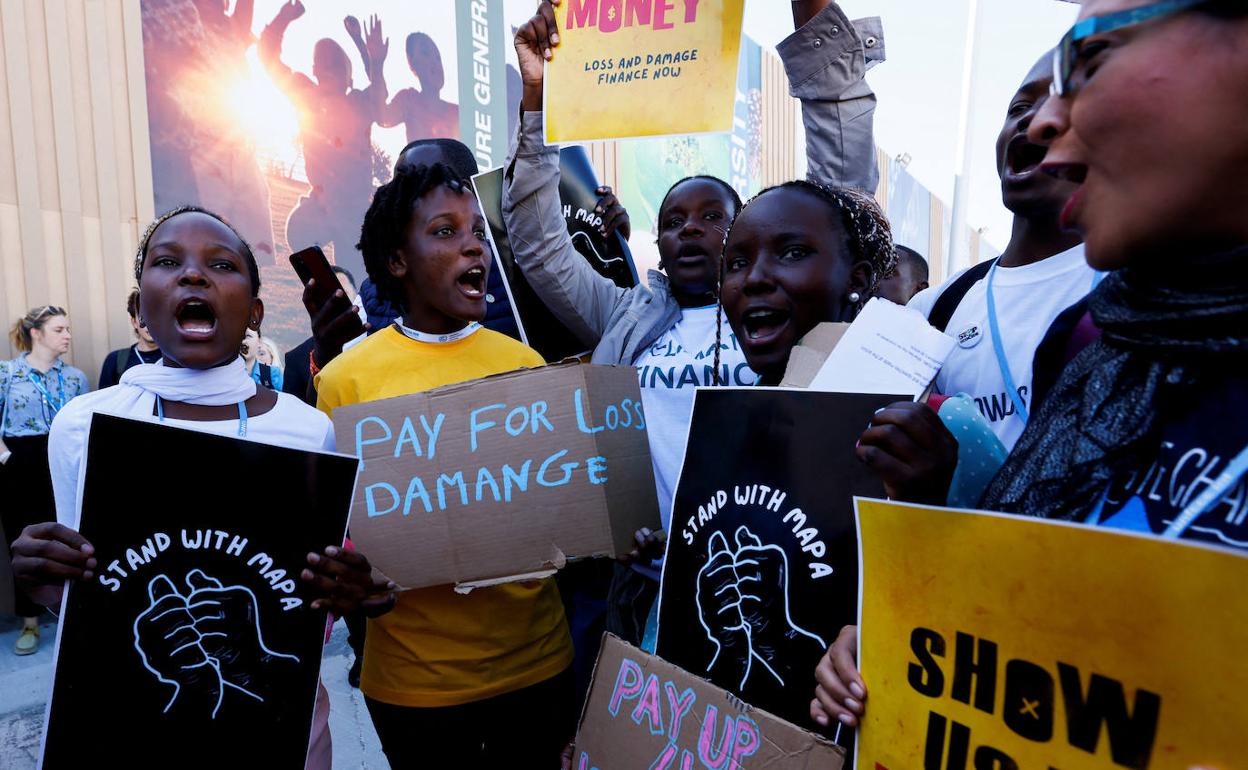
270	47
241	20
826	60
579	297
373	49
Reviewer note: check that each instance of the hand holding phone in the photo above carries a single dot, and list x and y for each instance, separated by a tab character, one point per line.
335	321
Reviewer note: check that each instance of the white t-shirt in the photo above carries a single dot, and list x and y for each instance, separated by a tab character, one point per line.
290	423
680	360
1028	299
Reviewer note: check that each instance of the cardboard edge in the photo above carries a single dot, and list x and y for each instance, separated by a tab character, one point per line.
464	589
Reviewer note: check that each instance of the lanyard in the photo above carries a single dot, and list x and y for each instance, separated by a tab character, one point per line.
242	416
437	339
139	355
1213	493
48	403
994	330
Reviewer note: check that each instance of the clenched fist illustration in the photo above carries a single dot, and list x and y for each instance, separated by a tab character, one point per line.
204	641
743	605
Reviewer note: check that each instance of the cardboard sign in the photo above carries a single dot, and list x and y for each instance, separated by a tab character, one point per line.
610	257
502	478
196	643
644	712
762	566
1004	642
628	68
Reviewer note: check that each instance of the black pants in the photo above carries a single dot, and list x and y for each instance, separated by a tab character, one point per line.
25	499
524	729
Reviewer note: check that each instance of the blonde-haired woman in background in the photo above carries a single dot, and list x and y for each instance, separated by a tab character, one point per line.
263	360
33	388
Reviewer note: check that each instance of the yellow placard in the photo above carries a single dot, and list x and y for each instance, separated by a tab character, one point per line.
991	641
627	68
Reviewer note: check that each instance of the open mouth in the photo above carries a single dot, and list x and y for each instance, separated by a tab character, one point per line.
1070	172
764	324
472	282
691	254
196	318
1022	158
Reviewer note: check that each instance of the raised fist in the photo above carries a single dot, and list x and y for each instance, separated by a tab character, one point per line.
170	646
204	642
743	605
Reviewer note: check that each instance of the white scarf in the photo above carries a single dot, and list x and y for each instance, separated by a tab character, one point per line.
134	396
218	386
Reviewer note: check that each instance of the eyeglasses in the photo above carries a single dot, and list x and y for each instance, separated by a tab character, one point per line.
1066	55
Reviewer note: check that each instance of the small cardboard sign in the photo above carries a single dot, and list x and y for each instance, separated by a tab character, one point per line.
196	643
642	68
502	478
1012	642
644	712
609	257
761	570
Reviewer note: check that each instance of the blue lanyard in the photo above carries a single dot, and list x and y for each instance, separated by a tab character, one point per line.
242	415
48	403
1213	493
1003	364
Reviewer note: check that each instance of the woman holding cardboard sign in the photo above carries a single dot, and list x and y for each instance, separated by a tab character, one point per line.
1145	428
450	680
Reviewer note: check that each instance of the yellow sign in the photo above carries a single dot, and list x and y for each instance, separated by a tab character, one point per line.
1005	643
628	68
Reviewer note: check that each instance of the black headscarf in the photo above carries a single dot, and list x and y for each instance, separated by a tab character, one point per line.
1166	335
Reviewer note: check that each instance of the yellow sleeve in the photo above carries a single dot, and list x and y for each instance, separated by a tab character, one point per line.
531	359
327	397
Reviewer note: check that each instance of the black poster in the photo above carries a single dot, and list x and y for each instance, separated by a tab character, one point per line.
195	645
762	562
578	190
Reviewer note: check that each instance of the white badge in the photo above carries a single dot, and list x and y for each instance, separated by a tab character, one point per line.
970	336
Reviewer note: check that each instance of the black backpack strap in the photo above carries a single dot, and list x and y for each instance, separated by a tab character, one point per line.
951	297
266	376
121	363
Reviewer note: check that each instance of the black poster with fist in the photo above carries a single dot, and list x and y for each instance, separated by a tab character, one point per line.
609	257
195	645
761	570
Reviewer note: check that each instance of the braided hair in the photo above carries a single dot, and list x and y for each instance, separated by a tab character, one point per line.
248	257
867	232
389	216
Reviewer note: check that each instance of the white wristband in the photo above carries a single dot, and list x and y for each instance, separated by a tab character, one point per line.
4	456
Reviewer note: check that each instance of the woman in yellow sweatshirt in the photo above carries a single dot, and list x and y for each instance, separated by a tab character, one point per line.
450	680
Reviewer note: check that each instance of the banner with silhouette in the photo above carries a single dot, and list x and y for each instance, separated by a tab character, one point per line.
762	568
1011	642
195	644
610	257
284	116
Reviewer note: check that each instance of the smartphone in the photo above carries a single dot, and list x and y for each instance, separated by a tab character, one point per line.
311	263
